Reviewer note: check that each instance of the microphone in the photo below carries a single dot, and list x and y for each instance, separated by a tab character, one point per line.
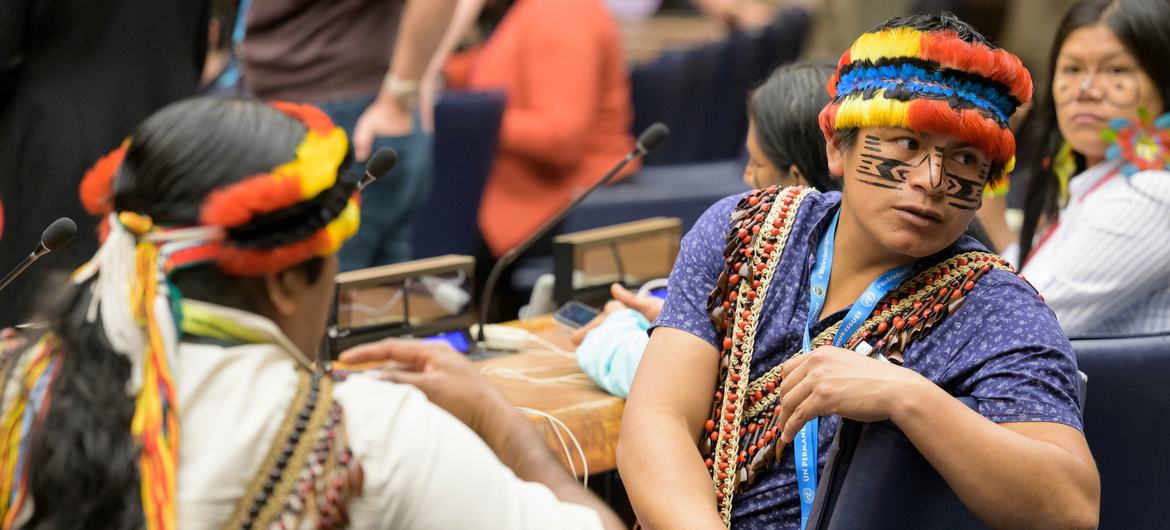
57	235
650	138
379	165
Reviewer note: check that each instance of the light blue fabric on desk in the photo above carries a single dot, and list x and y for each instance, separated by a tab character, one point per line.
611	352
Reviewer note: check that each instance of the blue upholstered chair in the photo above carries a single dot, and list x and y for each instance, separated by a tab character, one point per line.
467	128
1127	423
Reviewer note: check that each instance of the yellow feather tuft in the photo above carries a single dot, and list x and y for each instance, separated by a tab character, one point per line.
896	42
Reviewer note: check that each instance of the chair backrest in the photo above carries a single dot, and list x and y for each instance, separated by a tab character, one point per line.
700	92
1126	423
875	478
467	128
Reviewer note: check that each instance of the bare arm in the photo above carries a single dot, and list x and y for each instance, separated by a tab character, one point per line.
425	36
1011	475
658	456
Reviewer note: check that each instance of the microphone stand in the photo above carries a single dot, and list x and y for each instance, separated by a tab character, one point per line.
24	264
493	276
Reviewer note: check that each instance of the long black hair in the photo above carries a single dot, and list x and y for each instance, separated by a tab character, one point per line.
784	109
82	464
1143	27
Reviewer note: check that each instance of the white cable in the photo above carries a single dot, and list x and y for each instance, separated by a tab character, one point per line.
519	375
552	348
555	422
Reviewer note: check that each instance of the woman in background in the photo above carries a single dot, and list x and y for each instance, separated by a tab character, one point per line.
1094	239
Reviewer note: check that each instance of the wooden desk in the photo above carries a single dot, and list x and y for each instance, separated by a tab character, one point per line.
593	415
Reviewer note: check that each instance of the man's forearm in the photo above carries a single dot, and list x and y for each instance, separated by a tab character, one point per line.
420	31
1006	477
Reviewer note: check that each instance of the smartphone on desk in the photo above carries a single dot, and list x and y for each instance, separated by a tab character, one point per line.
575	314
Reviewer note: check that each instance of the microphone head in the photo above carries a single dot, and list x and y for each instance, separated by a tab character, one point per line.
652	137
58	234
382	162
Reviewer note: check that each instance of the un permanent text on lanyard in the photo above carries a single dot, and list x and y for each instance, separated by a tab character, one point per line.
804	445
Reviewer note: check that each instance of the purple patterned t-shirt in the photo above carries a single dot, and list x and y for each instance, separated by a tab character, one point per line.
1003	347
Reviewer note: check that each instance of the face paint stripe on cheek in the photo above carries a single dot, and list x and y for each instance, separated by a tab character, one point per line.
887	169
968	192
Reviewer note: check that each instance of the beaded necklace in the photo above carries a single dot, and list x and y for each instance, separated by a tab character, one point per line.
742	432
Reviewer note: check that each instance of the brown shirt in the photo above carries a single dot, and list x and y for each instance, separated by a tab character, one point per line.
318	51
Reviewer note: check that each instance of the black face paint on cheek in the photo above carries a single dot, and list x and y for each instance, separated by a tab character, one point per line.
887	172
967	194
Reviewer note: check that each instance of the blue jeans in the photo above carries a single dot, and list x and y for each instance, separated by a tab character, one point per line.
388	204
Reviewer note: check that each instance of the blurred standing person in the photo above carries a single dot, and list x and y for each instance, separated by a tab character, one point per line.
336	55
568	113
221	70
74	80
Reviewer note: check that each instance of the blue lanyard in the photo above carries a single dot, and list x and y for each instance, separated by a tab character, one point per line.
805	443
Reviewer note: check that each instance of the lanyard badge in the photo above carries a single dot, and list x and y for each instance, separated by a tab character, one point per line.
804	445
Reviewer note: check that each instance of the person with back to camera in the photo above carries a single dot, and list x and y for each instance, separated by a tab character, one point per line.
790	309
179	384
1094	235
784	148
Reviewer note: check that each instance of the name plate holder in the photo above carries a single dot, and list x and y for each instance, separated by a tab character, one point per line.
585	263
417	298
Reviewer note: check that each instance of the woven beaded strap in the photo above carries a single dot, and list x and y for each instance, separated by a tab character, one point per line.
760	226
308	474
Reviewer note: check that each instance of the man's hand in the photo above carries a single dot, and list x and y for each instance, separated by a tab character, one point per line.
831	380
386	116
447	378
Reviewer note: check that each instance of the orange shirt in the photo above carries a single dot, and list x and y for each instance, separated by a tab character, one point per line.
568	113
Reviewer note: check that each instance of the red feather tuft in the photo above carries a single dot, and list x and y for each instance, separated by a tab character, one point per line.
828	119
831	84
97	186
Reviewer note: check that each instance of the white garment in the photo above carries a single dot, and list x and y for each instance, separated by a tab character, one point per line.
422	468
1105	270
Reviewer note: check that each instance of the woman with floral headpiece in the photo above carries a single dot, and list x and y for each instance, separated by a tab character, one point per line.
791	309
1097	162
179	384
